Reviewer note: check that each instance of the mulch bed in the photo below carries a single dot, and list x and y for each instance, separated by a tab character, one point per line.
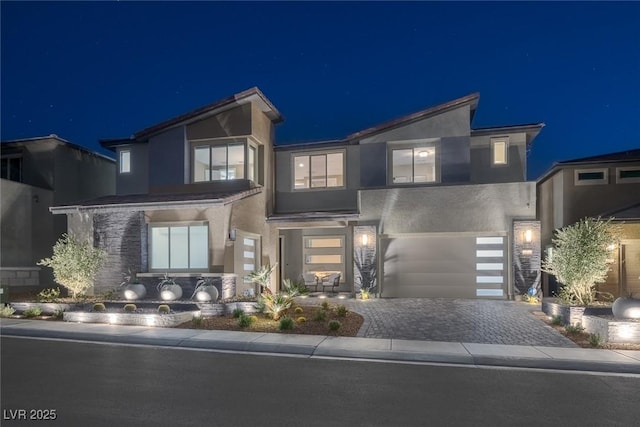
349	324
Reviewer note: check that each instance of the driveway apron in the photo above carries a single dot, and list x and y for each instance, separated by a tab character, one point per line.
456	320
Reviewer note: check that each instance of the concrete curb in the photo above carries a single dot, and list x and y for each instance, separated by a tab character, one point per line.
469	354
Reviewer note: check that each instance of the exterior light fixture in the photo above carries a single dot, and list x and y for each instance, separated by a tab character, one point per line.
301	165
365	239
528	236
232	234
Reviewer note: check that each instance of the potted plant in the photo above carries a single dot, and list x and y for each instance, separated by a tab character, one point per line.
168	289
205	290
132	289
626	307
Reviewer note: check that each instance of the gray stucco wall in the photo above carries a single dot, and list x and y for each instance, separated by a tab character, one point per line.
291	201
460	208
167	158
455	122
482	169
136	181
234	122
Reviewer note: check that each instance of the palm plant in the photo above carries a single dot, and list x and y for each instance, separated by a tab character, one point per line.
262	276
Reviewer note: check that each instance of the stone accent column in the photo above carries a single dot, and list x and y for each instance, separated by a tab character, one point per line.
526	256
365	257
124	236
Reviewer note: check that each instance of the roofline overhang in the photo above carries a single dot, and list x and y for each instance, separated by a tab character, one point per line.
210	110
557	166
528	128
153	206
471	99
314	216
61	141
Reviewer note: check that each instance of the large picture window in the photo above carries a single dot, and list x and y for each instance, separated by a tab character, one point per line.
219	162
322	170
179	247
413	164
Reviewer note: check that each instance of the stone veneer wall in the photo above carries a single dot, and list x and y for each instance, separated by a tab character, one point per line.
24	277
613	331
124	236
366	254
526	257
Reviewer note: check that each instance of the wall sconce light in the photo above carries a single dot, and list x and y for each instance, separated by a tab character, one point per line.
232	234
528	236
364	239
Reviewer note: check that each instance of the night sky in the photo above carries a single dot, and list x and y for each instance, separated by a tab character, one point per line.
86	71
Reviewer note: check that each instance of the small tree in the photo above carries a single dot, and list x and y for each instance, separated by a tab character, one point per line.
75	264
581	257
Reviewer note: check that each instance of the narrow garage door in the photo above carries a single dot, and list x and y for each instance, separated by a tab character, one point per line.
631	267
444	266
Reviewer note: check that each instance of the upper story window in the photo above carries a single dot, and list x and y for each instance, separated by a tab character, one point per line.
500	151
413	164
125	161
591	176
318	170
224	161
179	246
11	168
628	175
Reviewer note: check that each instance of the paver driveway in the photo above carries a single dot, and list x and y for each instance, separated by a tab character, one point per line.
455	320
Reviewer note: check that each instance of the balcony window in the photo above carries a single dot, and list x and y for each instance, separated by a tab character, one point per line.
11	168
219	162
179	247
322	170
413	165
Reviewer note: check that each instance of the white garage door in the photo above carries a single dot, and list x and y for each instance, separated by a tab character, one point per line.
444	266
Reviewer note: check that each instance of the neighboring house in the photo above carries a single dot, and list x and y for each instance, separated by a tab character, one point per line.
606	186
37	173
435	207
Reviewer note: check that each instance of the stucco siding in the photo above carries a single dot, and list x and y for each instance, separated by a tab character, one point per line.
136	181
234	122
167	161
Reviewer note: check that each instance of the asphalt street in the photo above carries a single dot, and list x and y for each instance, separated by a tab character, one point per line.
90	384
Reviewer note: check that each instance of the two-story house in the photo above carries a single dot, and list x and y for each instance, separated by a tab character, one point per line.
606	186
440	209
38	173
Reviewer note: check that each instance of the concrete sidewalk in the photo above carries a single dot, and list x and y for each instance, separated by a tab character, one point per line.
474	354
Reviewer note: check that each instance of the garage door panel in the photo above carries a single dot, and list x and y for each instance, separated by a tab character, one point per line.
449	266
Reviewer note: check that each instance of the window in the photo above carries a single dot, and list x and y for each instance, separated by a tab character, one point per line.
179	247
11	168
323	170
500	151
413	165
324	255
125	161
591	176
628	175
251	164
220	162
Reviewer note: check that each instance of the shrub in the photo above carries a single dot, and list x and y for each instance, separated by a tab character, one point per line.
301	319
164	309
595	340
298	310
334	325
237	313
245	321
581	257
556	320
275	304
32	312
197	321
49	295
254	318
262	276
58	314
574	329
130	308
99	307
325	305
320	315
341	311
286	323
293	289
74	264
6	311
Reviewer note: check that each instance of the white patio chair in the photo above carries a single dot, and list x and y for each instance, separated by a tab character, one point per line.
331	281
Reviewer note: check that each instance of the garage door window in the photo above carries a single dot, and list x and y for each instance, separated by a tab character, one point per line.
324	255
